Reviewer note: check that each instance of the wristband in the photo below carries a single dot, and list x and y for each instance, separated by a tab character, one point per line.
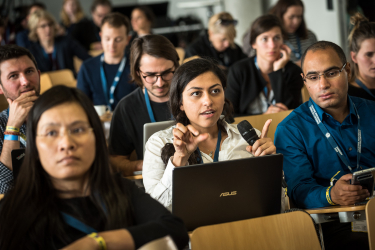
100	240
11	133
14	129
328	196
11	137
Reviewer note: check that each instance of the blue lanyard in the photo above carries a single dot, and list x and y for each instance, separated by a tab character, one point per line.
217	150
114	84
364	87
333	143
265	90
80	226
149	109
298	52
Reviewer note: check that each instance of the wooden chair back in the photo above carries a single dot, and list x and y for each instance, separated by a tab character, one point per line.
58	77
257	121
181	54
305	94
3	103
190	58
370	218
287	231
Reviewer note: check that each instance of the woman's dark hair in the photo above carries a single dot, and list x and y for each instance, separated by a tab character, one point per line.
281	8
263	24
363	29
29	212
147	12
154	45
185	74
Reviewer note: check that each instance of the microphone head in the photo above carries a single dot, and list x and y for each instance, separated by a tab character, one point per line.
247	132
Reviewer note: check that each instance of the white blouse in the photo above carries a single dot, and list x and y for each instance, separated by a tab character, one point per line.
157	178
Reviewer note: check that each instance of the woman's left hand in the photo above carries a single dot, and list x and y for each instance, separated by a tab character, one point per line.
263	146
282	61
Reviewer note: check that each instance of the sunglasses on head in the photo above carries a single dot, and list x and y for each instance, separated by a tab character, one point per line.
226	22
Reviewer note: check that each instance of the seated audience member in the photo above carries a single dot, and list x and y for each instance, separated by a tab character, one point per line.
268	82
196	101
298	37
52	52
65	190
319	142
19	77
105	79
71	13
22	37
2	32
218	42
153	61
362	51
142	19
86	32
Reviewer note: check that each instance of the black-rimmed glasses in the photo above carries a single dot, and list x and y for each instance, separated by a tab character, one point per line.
165	76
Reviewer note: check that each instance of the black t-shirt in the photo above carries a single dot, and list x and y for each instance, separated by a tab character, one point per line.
130	115
149	220
360	92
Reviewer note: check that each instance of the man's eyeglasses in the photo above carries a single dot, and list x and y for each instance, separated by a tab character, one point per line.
330	74
226	22
165	76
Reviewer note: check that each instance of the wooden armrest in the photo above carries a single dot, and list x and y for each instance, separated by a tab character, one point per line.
335	209
135	177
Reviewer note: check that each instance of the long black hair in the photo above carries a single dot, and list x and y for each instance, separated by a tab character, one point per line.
183	75
30	211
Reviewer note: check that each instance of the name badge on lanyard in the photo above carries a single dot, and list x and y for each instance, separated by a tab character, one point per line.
110	98
333	143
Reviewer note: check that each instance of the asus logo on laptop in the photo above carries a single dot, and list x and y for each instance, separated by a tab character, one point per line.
227	193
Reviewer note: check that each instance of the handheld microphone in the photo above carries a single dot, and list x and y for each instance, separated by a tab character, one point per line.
247	132
250	136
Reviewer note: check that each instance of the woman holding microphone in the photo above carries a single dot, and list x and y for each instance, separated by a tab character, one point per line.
201	134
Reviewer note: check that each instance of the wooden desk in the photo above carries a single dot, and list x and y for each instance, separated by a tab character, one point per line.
343	213
1	196
135	177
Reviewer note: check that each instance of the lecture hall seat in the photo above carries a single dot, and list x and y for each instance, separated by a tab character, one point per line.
289	231
370	218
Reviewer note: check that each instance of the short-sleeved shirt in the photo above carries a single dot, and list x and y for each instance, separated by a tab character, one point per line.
309	159
90	82
130	115
6	175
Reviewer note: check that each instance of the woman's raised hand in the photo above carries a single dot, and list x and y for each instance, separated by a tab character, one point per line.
282	61
185	142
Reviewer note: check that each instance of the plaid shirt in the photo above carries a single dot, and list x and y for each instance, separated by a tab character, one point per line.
6	175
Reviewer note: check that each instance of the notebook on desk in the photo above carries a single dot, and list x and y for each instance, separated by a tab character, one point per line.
226	191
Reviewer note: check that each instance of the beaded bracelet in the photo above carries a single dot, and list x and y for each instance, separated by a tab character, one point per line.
11	133
100	240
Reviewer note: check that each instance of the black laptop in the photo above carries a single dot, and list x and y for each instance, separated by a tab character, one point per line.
227	191
17	158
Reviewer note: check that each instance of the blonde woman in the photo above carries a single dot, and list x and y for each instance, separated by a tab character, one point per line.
71	13
52	52
218	42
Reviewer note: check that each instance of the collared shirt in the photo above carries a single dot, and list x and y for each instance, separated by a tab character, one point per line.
6	175
309	159
157	178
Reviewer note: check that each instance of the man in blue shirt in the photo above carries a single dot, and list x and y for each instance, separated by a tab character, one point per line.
316	173
105	79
